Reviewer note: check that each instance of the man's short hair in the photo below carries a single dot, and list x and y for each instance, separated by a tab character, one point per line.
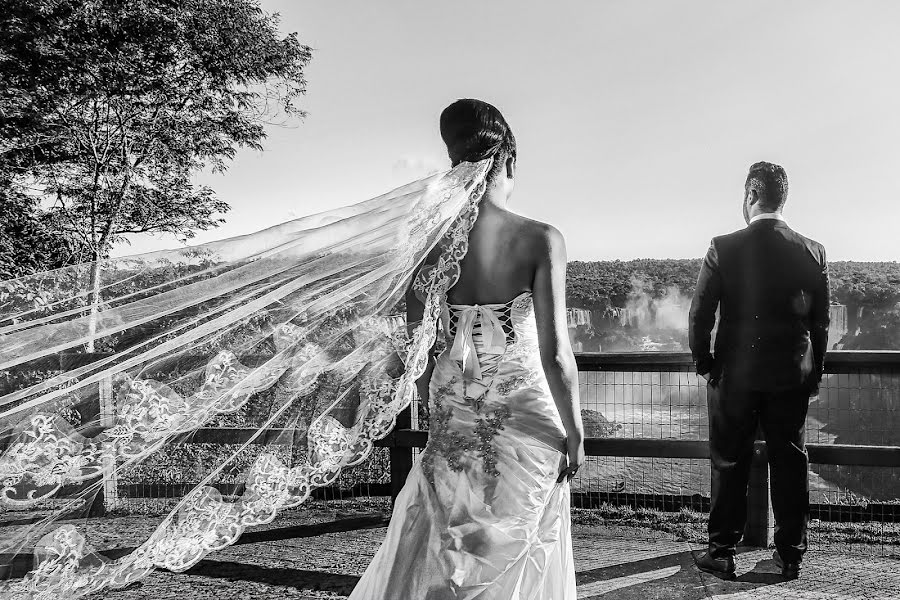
771	184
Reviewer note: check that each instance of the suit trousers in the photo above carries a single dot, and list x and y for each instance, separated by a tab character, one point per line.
736	412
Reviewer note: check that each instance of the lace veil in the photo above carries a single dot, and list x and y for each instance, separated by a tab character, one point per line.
297	333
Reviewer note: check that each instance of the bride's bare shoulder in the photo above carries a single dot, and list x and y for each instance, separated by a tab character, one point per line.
541	237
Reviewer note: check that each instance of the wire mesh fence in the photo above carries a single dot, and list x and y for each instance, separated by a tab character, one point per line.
858	512
853	507
157	484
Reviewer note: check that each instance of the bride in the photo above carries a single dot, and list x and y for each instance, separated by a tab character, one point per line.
291	336
484	512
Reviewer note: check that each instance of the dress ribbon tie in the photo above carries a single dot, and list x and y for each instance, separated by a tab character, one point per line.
492	335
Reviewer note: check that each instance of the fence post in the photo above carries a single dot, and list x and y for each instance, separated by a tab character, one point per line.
401	458
108	419
91	423
758	530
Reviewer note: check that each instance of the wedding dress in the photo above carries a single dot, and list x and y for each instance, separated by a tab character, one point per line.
292	337
481	516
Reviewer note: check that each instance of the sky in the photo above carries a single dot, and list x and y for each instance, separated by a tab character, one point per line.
636	122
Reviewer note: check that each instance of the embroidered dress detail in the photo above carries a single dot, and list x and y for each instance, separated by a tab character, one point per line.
482	507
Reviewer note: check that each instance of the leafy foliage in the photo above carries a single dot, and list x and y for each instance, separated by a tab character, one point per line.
598	285
30	240
872	284
870	289
878	330
111	107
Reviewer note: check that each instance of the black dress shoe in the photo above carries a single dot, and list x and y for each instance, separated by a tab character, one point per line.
789	570
723	566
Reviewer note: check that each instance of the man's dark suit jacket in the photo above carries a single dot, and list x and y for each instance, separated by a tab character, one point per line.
770	285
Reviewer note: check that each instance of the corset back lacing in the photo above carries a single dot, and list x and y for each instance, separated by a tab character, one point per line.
479	335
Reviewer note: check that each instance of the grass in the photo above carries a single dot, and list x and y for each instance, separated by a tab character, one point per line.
690	526
684	525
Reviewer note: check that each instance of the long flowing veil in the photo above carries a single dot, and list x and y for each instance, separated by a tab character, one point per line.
298	330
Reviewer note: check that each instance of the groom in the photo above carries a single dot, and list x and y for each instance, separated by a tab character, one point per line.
770	285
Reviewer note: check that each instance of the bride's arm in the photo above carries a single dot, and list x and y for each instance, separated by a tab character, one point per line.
553	339
414	312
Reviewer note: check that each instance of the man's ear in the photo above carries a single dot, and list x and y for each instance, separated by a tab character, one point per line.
753	197
510	167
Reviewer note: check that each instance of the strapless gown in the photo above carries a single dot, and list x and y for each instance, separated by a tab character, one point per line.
481	516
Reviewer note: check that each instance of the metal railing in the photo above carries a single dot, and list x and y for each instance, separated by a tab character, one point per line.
654	409
647	426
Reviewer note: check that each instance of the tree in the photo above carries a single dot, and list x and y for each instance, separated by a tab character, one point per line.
869	284
878	330
870	291
111	107
29	240
599	285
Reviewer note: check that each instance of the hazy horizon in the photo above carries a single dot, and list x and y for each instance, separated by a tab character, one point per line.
636	123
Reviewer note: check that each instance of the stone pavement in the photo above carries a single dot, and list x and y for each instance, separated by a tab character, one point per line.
610	563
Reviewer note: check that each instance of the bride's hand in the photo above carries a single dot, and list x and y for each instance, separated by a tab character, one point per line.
575	455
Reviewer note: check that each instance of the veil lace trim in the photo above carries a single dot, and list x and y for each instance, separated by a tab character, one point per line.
47	453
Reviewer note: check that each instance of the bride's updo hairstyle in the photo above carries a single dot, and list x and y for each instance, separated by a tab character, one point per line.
473	131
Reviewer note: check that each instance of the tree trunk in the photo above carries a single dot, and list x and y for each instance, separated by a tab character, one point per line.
95	303
100	251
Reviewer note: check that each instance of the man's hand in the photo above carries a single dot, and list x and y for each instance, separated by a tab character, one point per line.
575	454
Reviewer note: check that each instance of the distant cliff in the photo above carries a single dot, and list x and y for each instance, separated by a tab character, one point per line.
605	285
630	300
596	425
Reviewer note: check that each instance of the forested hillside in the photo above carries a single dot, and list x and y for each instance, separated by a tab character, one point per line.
869	290
598	284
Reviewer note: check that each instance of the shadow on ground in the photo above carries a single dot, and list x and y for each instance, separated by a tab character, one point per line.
671	576
300	579
322	562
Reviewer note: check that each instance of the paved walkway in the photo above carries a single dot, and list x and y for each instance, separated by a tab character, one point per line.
610	564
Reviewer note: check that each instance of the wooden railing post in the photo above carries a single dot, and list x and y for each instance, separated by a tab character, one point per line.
110	490
758	530
401	458
92	423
